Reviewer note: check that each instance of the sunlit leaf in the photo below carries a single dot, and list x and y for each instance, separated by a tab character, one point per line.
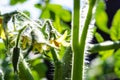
45	14
54	8
61	12
99	37
13	2
58	14
65	15
101	17
106	54
35	75
57	24
115	29
2	46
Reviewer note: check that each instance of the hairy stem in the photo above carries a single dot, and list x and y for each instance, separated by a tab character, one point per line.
78	41
58	66
107	45
76	74
24	70
67	61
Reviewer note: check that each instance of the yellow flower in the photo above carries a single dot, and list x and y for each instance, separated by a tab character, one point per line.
61	41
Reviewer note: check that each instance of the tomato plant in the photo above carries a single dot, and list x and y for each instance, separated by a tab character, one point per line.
26	44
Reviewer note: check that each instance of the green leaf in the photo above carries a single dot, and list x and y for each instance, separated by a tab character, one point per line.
14	2
61	12
57	24
101	17
54	8
99	37
106	54
2	46
45	14
35	75
39	6
24	71
65	15
117	55
115	29
41	69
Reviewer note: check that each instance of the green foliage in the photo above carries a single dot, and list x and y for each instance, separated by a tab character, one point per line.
99	37
108	53
49	39
41	37
24	71
33	37
14	2
115	31
101	17
56	13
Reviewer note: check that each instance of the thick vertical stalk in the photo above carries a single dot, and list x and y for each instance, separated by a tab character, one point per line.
75	24
78	46
82	44
76	64
58	66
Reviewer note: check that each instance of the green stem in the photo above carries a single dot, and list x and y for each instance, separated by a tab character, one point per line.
67	61
76	74
75	24
58	66
107	45
24	71
18	37
78	47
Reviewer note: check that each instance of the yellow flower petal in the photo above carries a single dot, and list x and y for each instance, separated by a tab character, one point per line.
62	38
